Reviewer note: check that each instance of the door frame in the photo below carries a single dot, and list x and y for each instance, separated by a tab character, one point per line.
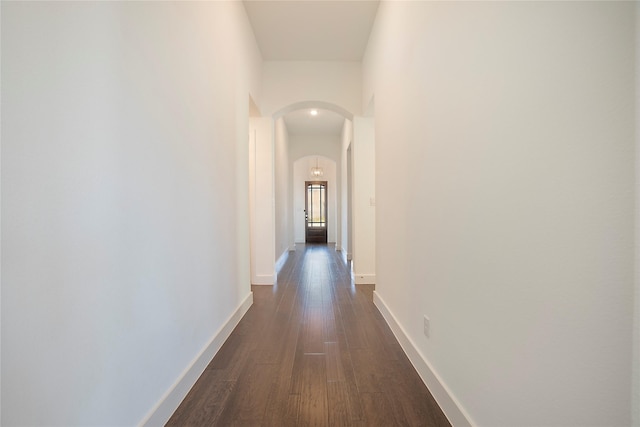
319	235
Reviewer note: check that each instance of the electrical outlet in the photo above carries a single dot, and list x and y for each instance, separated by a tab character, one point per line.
427	327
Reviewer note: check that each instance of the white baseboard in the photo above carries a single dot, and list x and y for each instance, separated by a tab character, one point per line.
282	260
168	404
451	407
364	279
263	279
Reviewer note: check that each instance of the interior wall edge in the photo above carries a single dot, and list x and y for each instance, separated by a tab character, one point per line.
635	392
364	279
282	259
263	279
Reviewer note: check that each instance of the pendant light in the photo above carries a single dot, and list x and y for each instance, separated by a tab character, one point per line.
317	171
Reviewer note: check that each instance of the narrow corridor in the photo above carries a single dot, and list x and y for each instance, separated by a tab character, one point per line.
312	350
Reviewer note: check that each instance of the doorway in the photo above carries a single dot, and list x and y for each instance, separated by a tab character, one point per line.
315	211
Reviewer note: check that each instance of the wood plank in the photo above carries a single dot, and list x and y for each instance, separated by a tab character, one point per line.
313	331
247	404
313	395
344	404
335	370
278	409
205	401
377	409
312	350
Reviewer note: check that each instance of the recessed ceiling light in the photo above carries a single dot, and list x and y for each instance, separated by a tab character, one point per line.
314	112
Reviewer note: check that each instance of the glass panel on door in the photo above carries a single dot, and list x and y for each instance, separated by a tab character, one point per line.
316	211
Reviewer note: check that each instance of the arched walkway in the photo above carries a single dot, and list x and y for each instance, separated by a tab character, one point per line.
313	104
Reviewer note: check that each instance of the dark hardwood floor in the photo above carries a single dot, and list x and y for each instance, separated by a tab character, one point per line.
312	350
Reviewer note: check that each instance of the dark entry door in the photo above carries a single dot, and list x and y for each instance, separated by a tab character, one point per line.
315	211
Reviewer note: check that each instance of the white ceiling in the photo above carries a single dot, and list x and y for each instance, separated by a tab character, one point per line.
302	122
311	30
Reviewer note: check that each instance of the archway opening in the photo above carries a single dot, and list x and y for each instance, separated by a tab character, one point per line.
316	208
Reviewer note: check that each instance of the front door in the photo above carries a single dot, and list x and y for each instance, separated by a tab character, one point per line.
315	212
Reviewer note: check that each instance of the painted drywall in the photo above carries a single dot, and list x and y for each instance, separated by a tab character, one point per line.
0	218
345	186
249	72
262	200
120	233
301	173
504	201
364	200
289	82
635	395
282	199
301	145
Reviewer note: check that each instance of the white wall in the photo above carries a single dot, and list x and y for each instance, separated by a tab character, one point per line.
0	220
122	138
301	173
504	192
288	82
635	397
364	193
345	141
301	145
262	200
282	197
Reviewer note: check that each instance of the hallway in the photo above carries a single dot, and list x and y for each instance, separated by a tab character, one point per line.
312	350
481	161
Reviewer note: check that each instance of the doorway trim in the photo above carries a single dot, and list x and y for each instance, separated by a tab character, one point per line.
316	234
